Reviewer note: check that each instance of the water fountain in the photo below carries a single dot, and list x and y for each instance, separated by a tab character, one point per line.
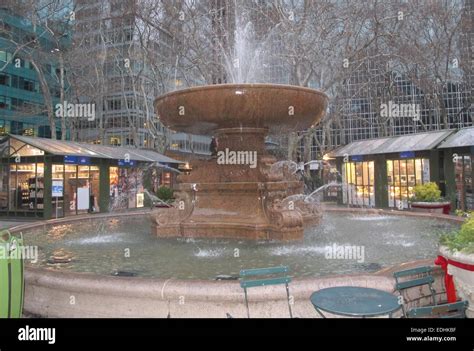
218	199
227	196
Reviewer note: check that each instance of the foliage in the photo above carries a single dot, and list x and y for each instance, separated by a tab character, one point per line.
461	213
165	193
428	192
461	240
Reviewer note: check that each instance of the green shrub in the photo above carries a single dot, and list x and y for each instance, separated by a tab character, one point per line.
165	193
461	240
428	192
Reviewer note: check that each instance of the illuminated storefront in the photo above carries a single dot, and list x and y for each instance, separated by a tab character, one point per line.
358	184
383	172
47	178
402	176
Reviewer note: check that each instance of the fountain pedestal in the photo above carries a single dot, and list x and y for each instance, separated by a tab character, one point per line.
235	194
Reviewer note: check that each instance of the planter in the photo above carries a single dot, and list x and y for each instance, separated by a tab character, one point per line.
432	207
461	267
162	206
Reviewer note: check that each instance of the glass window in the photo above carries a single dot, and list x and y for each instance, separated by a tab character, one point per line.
26	187
358	185
22	149
4	187
94	188
58	191
4	79
117	190
70	186
463	178
402	177
83	189
12	205
37	188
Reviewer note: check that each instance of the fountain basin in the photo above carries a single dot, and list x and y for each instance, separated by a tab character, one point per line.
202	110
98	293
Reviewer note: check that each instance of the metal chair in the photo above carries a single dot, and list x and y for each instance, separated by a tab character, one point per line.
425	279
449	310
264	273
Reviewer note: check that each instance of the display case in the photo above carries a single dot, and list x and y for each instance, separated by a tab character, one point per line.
36	193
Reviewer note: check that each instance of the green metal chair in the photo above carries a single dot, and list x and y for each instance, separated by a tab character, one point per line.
423	278
449	310
267	276
11	276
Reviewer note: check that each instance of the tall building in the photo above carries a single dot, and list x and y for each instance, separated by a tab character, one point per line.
22	46
123	89
130	68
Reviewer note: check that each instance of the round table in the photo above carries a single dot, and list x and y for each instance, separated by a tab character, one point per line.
355	301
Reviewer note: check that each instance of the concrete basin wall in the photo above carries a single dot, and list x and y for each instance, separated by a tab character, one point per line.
52	293
78	295
58	294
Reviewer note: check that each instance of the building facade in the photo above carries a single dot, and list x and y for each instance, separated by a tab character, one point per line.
46	178
22	102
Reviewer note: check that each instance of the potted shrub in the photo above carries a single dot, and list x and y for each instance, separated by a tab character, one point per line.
427	198
457	259
165	194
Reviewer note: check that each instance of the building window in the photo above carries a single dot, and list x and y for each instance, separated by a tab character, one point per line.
402	177
115	141
26	187
464	190
4	79
358	185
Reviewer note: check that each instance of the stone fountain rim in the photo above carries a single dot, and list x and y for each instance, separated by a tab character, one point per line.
48	292
243	86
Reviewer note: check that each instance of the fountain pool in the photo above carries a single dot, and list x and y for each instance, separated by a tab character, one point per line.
105	246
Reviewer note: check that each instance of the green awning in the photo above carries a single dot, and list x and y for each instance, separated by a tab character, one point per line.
72	148
403	143
464	137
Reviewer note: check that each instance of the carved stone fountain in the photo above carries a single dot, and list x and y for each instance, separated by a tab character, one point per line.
227	197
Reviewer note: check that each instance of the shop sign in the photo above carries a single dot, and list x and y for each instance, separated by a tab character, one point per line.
72	160
57	188
84	160
314	165
77	160
357	158
140	200
126	163
407	154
